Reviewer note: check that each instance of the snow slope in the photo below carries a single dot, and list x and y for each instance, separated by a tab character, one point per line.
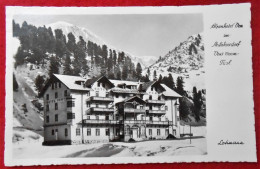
117	149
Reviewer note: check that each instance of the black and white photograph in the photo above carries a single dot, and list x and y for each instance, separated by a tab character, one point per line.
139	91
114	83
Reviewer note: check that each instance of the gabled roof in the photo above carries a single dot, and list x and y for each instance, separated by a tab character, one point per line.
125	90
120	82
90	82
146	85
68	81
134	98
169	92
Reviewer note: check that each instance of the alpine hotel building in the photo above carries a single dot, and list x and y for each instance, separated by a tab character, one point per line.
79	110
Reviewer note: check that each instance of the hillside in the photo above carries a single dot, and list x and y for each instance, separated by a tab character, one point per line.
186	60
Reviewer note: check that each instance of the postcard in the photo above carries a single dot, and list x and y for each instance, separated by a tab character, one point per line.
118	85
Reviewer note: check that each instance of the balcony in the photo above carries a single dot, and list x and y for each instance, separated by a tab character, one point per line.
100	110
95	121
158	122
131	110
157	111
155	101
96	98
135	122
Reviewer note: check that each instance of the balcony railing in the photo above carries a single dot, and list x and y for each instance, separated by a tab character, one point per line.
131	110
95	121
135	121
157	111
96	98
156	101
99	109
158	122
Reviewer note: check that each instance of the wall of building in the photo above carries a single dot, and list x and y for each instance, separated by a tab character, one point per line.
59	133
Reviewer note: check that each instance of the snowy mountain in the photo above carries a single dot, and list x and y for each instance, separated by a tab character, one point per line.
90	36
186	60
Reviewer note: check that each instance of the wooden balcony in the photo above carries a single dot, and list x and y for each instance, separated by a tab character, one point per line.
95	121
96	98
100	110
155	101
164	123
132	110
157	111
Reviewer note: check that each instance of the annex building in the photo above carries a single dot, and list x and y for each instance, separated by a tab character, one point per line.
79	110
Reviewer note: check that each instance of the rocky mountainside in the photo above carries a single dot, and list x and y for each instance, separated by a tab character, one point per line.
186	60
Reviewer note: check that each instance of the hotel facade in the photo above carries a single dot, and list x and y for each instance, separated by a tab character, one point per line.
79	110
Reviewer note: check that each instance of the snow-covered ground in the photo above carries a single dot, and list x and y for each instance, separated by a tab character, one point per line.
34	149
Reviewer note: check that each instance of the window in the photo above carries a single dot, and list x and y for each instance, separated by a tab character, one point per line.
142	117
107	117
150	132
78	132
151	118
70	115
98	84
97	117
59	84
151	88
97	132
150	97
107	132
52	86
88	132
52	132
55	85
70	103
117	117
103	84
116	95
56	95
88	104
97	105
56	106
158	132
160	119
56	117
47	119
150	107
166	107
47	107
88	117
65	93
66	132
117	132
159	97
97	94
127	130
47	96
141	107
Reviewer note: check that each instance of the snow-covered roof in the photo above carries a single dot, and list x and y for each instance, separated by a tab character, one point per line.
169	92
119	82
69	81
125	90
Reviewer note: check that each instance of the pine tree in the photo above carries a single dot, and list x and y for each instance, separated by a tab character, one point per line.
125	72
154	75
15	84
54	66
39	81
71	42
118	74
148	73
138	71
171	81
67	66
114	57
184	108
180	86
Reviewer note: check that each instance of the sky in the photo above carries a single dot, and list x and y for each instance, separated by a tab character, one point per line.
147	36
